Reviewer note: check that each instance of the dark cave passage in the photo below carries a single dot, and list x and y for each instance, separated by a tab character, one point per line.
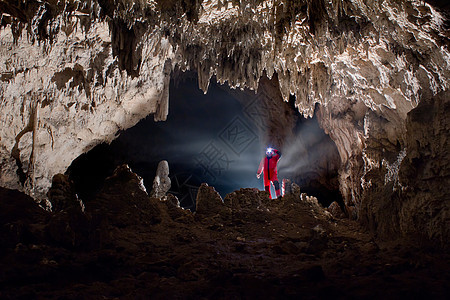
218	138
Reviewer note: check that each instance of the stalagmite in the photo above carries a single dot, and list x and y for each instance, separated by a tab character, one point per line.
161	183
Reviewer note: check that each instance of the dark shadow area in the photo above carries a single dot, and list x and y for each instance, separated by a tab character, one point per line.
123	244
210	138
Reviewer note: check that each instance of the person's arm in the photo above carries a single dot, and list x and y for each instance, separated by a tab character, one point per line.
278	152
260	168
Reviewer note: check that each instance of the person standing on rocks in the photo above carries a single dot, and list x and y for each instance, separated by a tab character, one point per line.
268	165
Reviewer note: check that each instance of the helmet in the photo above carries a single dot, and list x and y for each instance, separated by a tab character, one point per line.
269	151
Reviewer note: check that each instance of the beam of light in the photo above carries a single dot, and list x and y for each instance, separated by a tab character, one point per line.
208	136
212	138
305	152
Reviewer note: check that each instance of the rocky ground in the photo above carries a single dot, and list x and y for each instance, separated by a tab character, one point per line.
126	245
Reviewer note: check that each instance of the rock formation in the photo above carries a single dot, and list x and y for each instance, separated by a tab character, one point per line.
161	183
74	73
130	245
335	210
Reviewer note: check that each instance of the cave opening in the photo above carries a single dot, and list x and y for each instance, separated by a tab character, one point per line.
218	138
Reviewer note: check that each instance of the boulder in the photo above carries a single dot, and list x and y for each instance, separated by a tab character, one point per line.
336	210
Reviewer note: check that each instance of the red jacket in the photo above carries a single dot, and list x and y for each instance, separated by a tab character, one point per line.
269	166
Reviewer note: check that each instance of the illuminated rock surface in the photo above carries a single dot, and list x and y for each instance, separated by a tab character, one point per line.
161	183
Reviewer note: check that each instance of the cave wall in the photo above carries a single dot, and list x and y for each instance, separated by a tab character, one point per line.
75	72
67	86
408	194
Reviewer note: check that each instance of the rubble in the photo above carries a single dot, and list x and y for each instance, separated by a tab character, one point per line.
131	245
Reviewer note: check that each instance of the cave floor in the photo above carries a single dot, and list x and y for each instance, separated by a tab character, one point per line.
123	248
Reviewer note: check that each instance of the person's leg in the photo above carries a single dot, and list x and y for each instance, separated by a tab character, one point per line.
266	183
276	184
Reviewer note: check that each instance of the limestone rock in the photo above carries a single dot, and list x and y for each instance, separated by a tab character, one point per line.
289	253
69	228
310	200
209	202
286	187
161	183
247	199
425	170
73	92
175	212
172	201
22	220
336	210
248	204
62	195
295	188
68	224
122	202
408	194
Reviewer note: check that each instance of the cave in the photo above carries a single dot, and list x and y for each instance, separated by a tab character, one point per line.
131	133
218	138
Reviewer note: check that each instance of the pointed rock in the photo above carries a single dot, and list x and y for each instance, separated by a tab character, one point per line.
336	210
62	195
123	201
208	201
